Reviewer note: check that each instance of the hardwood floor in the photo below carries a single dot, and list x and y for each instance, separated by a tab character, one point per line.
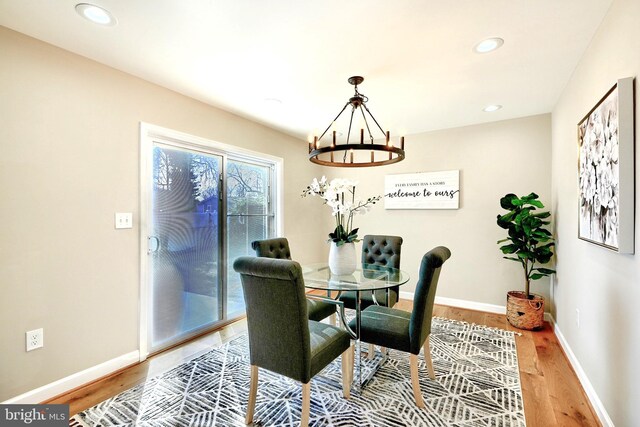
551	391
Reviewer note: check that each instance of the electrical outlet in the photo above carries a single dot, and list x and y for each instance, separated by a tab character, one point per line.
578	318
124	220
35	339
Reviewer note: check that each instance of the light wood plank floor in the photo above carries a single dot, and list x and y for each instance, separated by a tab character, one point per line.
551	391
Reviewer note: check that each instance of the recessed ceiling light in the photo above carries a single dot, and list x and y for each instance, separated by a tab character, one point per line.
96	14
491	108
488	45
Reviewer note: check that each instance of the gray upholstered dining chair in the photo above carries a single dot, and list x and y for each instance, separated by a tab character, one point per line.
281	338
382	251
404	331
279	248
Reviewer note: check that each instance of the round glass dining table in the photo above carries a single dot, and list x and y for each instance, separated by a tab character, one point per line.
367	277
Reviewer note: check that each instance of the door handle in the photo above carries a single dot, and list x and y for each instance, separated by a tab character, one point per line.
157	244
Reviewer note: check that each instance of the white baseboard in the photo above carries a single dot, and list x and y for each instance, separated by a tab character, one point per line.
406	295
597	404
66	384
471	305
454	302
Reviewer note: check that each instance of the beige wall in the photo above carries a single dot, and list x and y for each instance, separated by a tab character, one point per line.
494	159
603	285
69	130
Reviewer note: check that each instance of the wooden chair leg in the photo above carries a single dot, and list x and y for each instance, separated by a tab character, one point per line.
372	352
346	381
306	404
415	383
332	319
427	359
253	390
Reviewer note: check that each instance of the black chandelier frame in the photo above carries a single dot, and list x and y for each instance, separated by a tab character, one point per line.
345	157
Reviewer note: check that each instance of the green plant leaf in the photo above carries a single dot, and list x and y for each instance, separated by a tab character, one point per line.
542	215
509	249
536	276
545	270
506	201
512	258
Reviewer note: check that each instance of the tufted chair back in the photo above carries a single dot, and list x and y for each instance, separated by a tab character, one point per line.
424	297
381	250
277	248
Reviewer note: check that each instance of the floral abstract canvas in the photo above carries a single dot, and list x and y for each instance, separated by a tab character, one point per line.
601	193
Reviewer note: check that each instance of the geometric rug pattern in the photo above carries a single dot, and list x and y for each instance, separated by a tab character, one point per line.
477	384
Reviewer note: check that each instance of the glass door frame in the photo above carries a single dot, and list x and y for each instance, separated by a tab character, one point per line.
151	134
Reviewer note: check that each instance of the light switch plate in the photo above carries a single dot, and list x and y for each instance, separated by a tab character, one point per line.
124	220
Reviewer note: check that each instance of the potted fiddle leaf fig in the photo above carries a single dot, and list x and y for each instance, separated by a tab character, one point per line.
530	244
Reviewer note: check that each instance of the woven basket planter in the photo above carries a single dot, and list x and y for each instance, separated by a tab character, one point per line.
524	313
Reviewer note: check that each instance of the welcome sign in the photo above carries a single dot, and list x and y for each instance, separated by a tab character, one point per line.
427	190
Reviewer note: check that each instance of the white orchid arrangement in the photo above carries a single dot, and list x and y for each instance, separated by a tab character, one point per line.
340	196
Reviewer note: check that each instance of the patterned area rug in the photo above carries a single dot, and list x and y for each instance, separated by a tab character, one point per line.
477	384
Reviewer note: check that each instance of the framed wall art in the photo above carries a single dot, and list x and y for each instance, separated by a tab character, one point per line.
426	190
606	188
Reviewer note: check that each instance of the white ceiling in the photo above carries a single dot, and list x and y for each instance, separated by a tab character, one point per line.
416	55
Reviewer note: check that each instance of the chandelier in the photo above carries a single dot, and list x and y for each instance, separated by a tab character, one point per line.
357	153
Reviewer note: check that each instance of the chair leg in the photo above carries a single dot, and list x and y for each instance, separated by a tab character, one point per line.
415	383
427	359
306	404
253	389
332	319
347	366
372	352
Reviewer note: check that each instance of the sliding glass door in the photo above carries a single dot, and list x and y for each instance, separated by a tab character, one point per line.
184	243
250	217
205	209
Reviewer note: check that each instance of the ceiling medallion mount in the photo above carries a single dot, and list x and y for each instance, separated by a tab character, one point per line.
356	154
